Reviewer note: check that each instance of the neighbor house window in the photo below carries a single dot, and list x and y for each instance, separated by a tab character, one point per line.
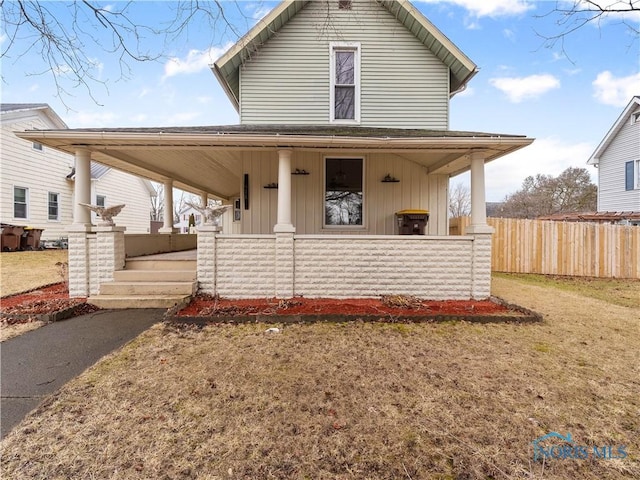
344	4
635	118
54	206
345	82
343	192
37	146
20	199
101	200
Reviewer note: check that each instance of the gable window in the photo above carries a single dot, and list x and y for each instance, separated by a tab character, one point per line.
37	146
20	199
101	200
345	82
635	118
54	206
343	192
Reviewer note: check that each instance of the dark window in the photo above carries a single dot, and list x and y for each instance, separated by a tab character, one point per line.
344	4
20	202
345	84
37	146
343	191
101	200
54	210
628	176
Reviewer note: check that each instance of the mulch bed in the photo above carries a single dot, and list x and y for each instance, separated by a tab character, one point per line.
208	309
49	303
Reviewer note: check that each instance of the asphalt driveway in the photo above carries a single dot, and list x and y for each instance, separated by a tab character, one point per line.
39	362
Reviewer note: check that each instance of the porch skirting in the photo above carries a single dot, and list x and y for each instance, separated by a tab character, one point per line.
344	266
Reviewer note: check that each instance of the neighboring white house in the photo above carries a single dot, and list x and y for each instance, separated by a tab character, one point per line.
38	181
344	121
618	161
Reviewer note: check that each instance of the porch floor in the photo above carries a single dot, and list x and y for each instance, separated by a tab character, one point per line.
183	255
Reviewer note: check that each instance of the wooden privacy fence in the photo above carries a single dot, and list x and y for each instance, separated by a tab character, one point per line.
561	248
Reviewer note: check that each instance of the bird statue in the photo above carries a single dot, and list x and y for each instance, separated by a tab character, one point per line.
210	213
105	213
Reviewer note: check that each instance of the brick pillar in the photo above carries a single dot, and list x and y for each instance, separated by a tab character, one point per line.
110	255
481	267
79	260
206	260
284	265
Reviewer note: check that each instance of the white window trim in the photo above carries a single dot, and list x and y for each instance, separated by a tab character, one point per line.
635	118
637	174
26	200
33	147
103	196
57	219
324	193
333	47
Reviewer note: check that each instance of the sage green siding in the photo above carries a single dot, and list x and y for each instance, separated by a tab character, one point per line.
403	84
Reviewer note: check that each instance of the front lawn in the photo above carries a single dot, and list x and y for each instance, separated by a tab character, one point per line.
354	400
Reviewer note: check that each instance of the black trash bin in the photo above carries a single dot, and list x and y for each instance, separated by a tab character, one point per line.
412	222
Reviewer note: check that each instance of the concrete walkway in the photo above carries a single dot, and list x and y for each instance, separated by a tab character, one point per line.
39	362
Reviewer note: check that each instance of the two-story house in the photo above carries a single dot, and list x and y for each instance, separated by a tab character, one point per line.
618	160
344	121
38	181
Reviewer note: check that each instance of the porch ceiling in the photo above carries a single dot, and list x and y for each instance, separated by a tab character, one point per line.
208	159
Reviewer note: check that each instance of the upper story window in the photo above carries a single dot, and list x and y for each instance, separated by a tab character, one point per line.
635	118
37	146
345	82
344	4
20	202
101	200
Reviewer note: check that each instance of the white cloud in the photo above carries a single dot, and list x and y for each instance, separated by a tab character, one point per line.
181	118
3	38
490	8
34	88
509	34
467	92
194	62
92	119
518	89
548	156
616	91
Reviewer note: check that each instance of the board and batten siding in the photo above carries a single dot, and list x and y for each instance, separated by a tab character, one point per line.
40	171
415	190
624	147
403	84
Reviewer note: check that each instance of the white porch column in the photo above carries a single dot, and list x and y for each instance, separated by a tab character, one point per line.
167	227
284	224
82	188
478	203
481	252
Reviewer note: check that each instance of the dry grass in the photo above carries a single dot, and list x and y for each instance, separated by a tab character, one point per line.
617	291
10	331
23	271
350	401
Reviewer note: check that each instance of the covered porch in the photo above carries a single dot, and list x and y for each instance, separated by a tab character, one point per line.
271	247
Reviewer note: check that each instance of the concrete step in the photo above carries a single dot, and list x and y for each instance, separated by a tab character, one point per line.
135	301
154	275
147	288
163	265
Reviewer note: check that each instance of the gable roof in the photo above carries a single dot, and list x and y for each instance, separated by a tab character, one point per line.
56	121
227	67
594	159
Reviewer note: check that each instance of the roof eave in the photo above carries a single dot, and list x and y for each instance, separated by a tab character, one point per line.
594	159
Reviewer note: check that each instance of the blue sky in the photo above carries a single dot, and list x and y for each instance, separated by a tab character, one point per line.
567	96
